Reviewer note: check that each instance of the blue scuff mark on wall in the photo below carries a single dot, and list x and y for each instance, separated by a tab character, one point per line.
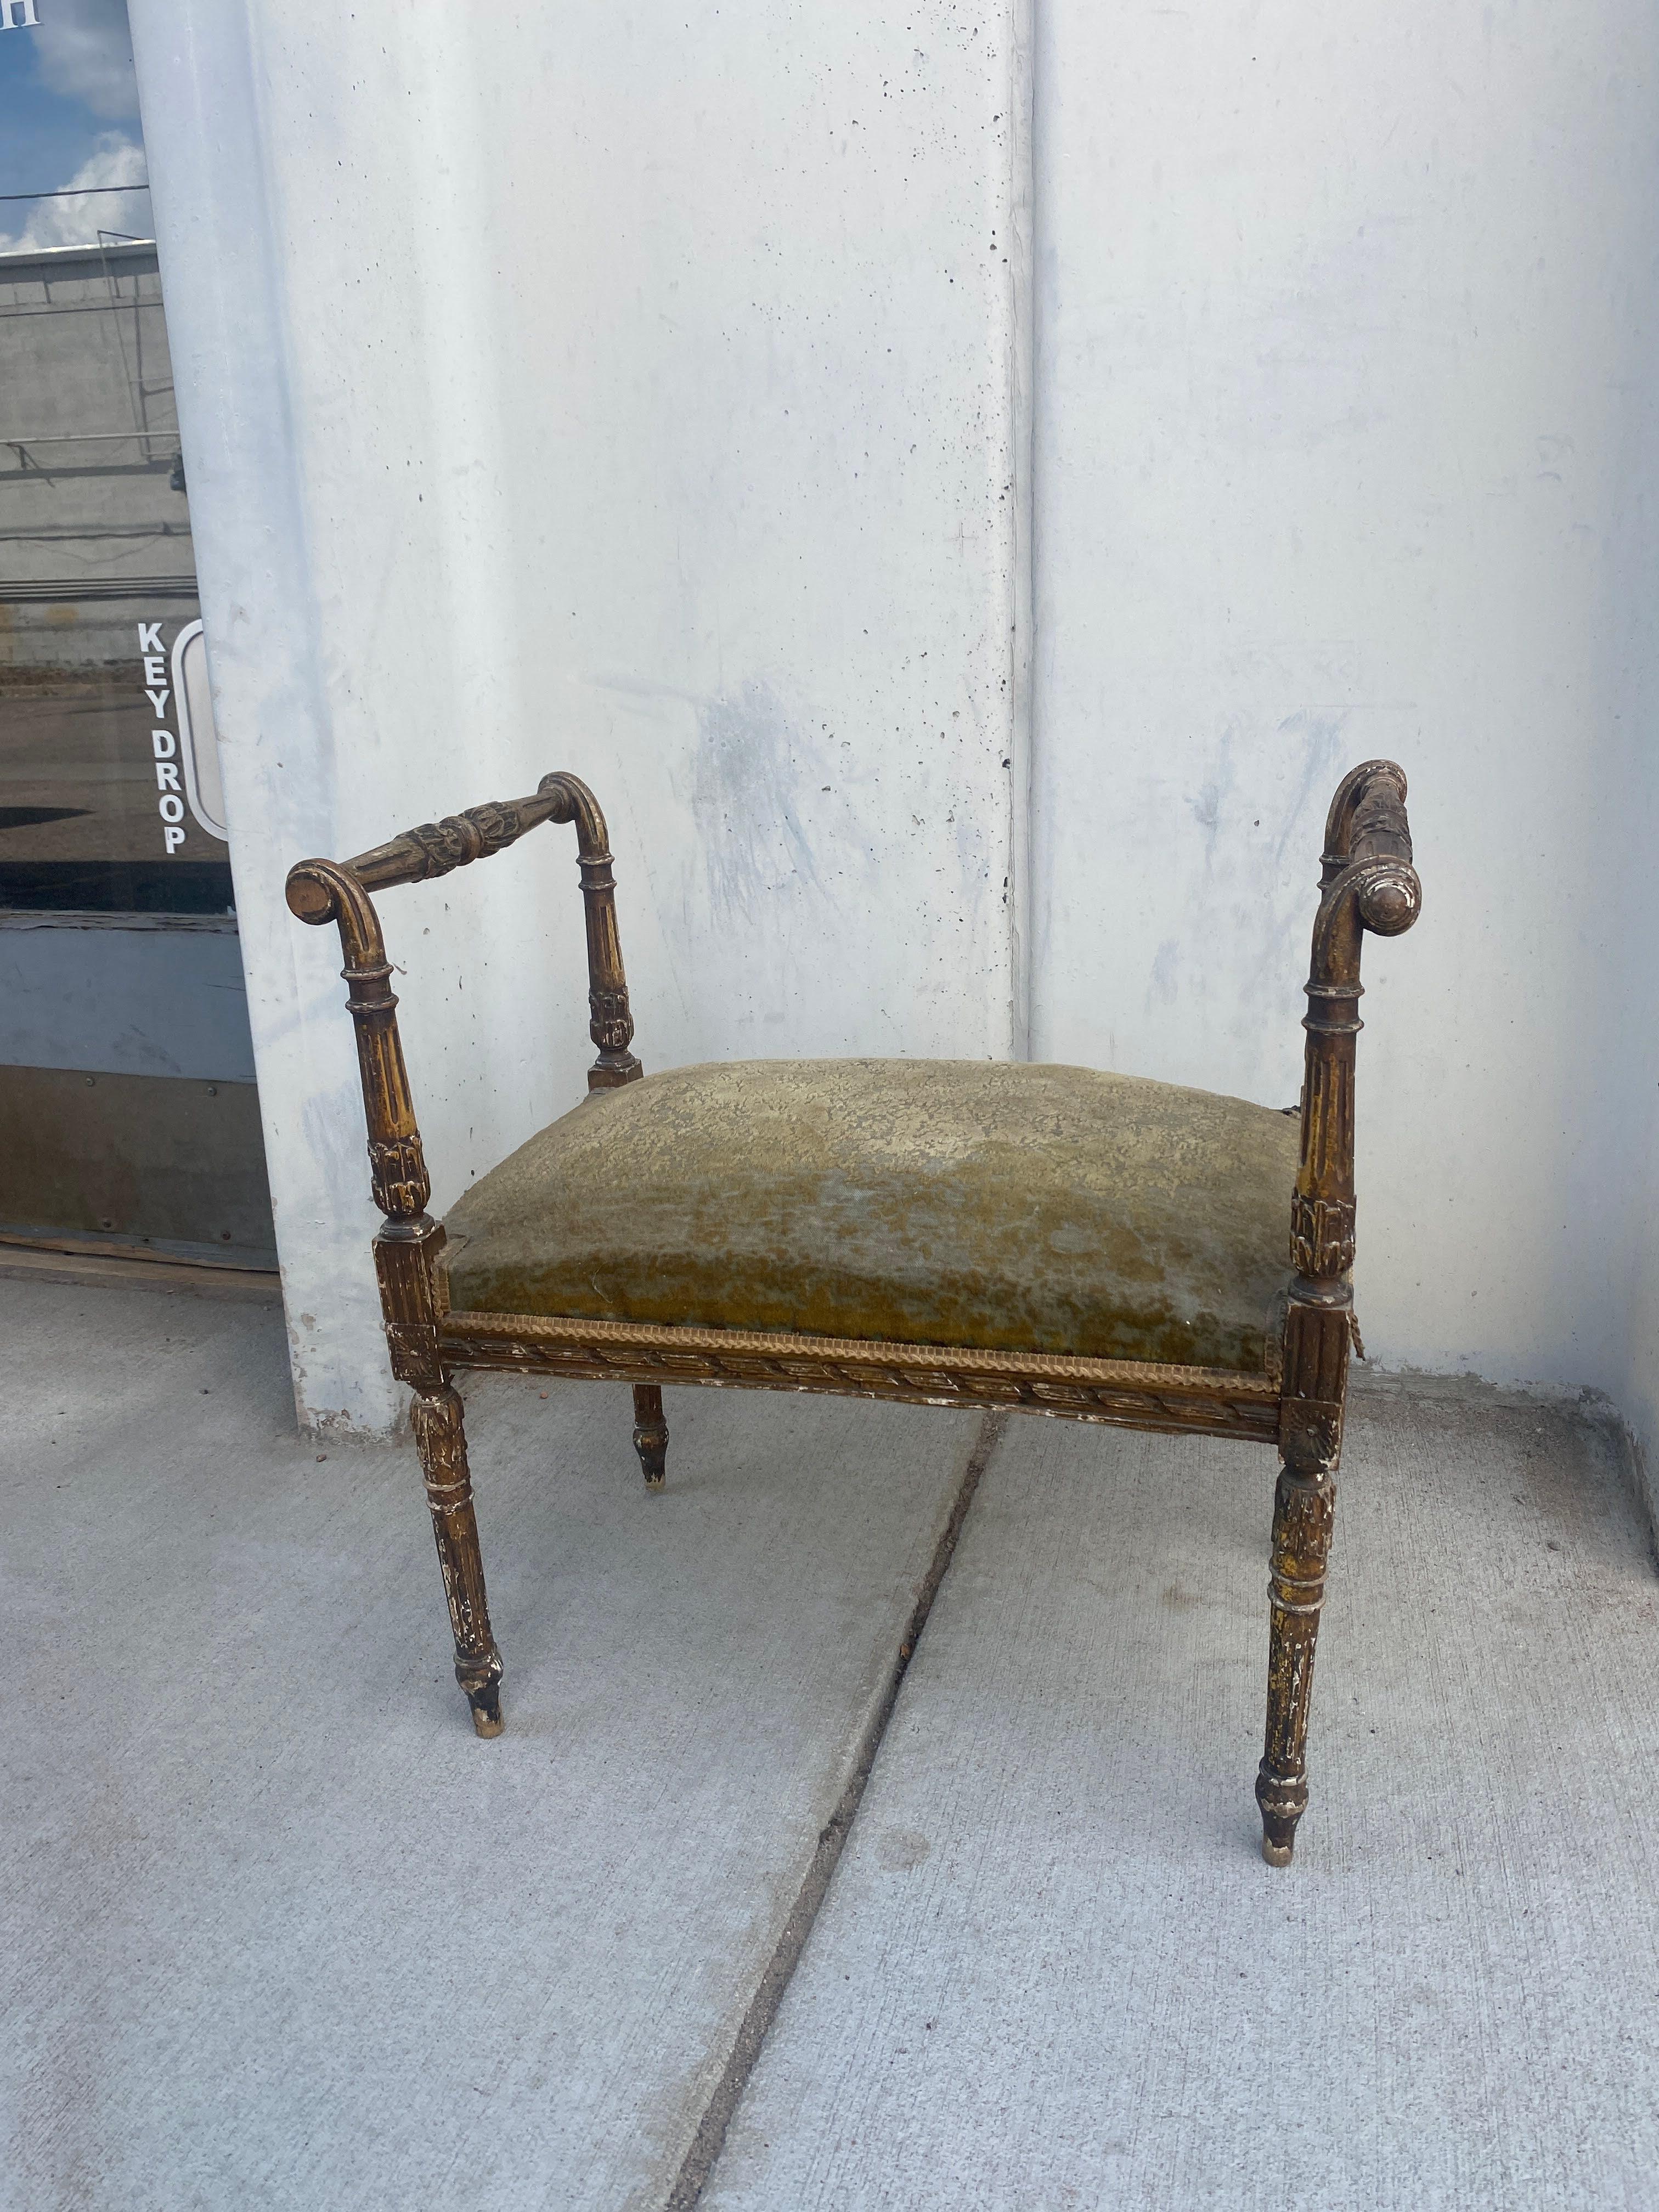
748	768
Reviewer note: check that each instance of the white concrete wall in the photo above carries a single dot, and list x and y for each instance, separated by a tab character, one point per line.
1346	366
626	390
641	390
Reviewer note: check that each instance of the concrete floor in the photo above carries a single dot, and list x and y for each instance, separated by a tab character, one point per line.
275	1930
1052	1971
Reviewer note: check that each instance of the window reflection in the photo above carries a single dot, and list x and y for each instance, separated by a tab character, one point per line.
97	586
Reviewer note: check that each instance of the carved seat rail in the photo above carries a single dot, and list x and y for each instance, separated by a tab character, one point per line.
1126	1393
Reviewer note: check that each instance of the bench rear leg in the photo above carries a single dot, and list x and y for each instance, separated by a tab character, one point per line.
650	1433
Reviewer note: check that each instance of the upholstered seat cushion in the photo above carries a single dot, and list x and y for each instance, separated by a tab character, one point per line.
947	1202
958	1202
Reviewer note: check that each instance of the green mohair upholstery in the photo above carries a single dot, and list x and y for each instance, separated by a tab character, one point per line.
956	1202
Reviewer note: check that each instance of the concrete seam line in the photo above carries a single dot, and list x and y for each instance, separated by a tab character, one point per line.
710	2137
1021	218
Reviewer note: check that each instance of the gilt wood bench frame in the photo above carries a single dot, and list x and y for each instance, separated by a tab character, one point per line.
1297	1403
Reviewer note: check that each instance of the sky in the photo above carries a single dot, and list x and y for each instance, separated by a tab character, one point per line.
69	115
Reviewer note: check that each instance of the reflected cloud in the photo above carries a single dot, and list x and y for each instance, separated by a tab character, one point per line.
84	51
115	160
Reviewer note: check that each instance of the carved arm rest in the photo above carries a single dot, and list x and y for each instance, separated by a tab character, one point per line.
338	891
437	848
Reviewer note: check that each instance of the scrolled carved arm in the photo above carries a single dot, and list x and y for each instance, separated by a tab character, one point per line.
1367	882
327	891
1367	824
321	891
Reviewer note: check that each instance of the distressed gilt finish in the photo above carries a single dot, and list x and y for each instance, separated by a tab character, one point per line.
1367	883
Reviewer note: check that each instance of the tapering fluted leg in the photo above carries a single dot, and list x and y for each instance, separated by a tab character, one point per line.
1304	1511
650	1433
442	1437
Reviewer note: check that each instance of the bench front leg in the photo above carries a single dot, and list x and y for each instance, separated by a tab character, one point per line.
408	1241
1367	883
1304	1513
406	1248
441	1436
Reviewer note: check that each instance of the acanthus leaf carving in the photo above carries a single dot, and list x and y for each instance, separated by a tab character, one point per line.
612	1025
398	1170
1321	1235
472	835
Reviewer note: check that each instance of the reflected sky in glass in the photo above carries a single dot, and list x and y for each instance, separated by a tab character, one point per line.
69	116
